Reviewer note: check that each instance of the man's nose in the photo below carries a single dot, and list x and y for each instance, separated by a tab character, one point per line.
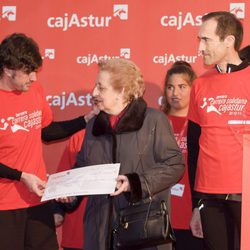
201	48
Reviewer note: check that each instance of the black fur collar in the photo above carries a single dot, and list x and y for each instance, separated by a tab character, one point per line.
132	120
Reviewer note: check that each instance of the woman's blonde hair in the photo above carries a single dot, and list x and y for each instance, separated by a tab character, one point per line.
124	75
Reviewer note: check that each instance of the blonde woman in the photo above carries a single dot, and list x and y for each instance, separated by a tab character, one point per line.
128	132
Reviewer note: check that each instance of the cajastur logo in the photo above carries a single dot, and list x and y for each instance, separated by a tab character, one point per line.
167	58
94	58
76	20
9	13
125	53
121	10
223	104
49	53
181	20
22	121
238	9
65	100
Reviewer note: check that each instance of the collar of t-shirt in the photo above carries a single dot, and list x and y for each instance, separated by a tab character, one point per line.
233	67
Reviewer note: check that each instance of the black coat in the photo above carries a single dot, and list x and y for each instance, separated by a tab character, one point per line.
144	144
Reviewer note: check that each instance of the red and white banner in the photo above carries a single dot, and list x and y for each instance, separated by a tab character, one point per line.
74	35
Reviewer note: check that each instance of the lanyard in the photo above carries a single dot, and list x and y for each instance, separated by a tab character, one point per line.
178	139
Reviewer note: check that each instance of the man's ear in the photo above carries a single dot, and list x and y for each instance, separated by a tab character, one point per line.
8	72
230	40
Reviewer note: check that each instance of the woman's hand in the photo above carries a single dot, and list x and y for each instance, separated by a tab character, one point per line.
69	199
122	185
195	224
58	218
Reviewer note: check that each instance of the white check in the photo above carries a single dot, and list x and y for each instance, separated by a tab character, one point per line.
91	180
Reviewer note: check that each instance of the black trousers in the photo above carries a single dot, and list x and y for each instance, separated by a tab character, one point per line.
30	228
186	241
221	224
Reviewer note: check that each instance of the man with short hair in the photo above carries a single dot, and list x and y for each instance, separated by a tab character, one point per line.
25	117
214	152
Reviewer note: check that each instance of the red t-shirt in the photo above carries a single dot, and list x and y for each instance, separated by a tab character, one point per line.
23	114
215	100
181	206
72	228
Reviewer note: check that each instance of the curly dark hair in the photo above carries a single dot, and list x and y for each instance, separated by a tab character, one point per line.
179	67
19	52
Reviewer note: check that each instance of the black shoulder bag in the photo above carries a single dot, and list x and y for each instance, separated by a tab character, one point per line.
144	224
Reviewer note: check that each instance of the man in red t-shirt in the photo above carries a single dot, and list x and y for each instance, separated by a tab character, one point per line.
24	221
214	152
25	118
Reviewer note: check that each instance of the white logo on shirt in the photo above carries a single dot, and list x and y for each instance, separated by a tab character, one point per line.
14	128
22	121
210	107
223	104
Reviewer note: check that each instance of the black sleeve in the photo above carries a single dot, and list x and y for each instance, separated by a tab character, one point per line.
193	135
57	208
63	129
9	173
67	207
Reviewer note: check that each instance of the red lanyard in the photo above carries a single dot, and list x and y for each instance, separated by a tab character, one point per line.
178	139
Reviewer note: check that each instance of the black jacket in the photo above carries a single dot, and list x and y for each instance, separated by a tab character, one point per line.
144	144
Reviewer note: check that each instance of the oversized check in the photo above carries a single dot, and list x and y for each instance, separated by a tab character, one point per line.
91	180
